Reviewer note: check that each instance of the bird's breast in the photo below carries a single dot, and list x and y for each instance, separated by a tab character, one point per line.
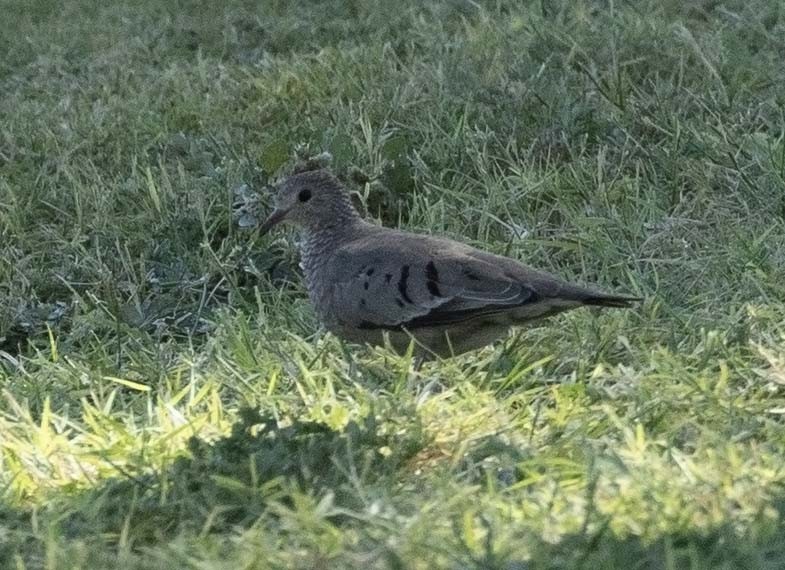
315	253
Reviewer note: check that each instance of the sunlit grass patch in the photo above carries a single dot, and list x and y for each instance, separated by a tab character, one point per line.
78	447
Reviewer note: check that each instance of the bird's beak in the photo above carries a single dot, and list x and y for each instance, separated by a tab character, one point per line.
275	218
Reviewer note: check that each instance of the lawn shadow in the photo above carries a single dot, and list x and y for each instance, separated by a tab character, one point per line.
227	486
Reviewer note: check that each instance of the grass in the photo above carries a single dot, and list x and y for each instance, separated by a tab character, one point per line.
168	398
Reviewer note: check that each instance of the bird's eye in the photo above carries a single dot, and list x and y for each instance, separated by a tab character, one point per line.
304	195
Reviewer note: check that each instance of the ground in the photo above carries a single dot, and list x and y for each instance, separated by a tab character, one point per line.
168	398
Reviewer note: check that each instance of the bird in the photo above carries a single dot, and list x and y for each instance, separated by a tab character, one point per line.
381	286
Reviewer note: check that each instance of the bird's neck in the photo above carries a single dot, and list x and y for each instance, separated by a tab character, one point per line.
319	241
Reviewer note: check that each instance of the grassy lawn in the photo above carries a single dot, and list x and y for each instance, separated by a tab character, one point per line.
168	399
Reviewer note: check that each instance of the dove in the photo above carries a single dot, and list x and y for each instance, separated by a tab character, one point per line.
381	286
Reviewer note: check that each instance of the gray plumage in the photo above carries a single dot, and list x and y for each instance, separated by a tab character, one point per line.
368	283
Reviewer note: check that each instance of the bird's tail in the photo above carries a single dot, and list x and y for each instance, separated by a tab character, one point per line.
619	301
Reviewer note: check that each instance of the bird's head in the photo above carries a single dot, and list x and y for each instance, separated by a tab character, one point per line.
310	199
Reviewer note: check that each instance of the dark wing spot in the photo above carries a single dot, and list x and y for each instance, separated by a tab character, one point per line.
430	272
432	279
362	302
534	297
387	277
471	275
370	271
402	284
365	285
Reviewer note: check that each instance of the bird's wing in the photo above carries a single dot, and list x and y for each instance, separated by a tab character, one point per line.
399	281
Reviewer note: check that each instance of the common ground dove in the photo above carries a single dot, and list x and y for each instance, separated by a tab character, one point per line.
368	282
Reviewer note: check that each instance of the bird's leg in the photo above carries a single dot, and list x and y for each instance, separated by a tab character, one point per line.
422	386
416	364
